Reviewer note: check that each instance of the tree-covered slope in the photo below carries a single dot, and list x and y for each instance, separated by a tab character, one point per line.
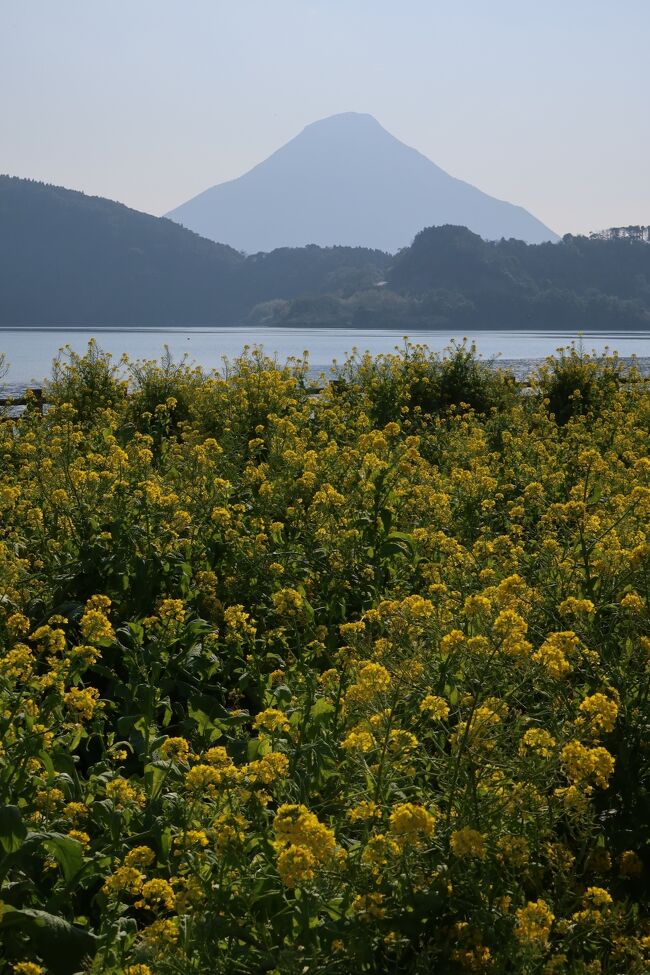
451	278
71	259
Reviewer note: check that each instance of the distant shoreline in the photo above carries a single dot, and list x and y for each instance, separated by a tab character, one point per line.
30	350
576	333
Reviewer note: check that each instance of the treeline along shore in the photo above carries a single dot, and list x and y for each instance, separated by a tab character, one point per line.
72	260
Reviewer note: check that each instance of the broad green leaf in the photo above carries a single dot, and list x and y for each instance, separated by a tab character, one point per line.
154	776
12	828
62	945
203	720
67	851
321	709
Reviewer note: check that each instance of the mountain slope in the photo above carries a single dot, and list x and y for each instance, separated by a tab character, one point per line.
71	259
346	180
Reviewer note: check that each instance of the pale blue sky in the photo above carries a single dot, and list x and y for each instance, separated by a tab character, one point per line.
149	102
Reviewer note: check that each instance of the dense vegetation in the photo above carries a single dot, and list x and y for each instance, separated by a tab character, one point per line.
71	259
66	258
348	683
450	278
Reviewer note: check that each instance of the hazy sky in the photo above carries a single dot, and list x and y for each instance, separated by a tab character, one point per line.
151	101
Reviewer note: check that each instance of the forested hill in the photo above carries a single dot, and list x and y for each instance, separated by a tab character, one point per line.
452	278
461	259
71	259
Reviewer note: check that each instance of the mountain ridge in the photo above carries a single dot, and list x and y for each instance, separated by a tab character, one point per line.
69	259
80	256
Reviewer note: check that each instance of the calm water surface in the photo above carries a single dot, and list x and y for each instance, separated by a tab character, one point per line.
30	351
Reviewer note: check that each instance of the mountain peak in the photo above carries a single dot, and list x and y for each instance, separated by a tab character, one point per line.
348	120
346	180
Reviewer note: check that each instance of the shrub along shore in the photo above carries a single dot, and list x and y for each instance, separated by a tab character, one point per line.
354	682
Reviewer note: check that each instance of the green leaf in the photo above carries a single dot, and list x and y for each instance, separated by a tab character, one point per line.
321	709
47	762
12	829
154	776
67	851
394	547
282	694
62	945
402	537
204	721
252	749
166	841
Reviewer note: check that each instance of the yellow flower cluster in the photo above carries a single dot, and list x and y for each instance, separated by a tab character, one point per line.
434	707
328	682
302	843
538	740
467	842
583	765
601	711
172	610
534	923
288	602
372	680
410	824
271	720
556	651
95	626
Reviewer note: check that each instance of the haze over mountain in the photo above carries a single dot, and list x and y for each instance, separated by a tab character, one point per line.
346	180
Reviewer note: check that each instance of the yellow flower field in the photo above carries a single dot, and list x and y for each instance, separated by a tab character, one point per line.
355	682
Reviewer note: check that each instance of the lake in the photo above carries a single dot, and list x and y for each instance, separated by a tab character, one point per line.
30	351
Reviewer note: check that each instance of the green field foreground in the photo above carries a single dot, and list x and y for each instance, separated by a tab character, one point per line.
347	683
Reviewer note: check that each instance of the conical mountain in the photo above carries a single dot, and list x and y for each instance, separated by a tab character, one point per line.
346	180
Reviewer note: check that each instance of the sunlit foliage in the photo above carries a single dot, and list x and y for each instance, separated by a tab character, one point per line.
353	682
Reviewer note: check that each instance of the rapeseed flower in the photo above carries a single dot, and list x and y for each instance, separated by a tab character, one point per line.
172	610
360	740
538	740
18	624
369	907
156	894
434	707
601	711
96	627
175	749
467	842
584	764
320	619
411	824
271	720
534	923
295	825
82	702
296	865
